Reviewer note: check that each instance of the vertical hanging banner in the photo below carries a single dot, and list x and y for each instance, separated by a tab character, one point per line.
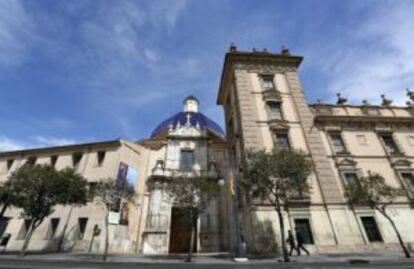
122	172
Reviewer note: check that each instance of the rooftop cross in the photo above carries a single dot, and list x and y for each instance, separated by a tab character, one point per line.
188	116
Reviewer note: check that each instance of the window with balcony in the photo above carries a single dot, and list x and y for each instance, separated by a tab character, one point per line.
389	144
267	83
337	143
274	110
371	229
187	160
281	140
350	178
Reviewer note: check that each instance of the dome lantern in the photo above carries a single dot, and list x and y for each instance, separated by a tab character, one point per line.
190	104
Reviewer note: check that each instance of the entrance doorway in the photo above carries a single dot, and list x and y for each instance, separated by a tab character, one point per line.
180	234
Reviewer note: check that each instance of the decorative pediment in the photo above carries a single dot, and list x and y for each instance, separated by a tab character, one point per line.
402	163
346	162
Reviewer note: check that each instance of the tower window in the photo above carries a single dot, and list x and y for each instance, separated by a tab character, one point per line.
389	143
371	229
303	227
337	143
187	160
281	140
267	82
350	178
274	110
101	157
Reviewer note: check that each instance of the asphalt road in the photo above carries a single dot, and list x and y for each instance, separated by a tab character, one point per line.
35	264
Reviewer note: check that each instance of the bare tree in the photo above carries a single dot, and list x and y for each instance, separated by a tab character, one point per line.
372	191
278	177
111	193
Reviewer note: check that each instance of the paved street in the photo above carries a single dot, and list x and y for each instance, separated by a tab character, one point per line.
45	261
27	263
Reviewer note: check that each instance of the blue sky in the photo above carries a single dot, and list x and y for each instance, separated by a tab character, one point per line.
77	71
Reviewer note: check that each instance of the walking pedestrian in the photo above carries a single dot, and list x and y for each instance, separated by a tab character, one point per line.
291	242
299	240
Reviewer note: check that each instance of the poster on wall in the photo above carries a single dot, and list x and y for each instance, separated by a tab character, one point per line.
113	217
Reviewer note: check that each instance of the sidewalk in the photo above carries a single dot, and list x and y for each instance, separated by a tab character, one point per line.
214	258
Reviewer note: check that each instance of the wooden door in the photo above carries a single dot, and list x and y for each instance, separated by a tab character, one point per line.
180	233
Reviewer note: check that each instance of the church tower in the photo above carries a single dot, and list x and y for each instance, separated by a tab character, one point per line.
265	107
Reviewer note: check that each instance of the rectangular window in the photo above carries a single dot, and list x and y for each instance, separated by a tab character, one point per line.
389	143
53	160
267	81
187	160
31	160
274	110
337	143
100	157
371	229
303	228
54	224
3	225
76	159
9	164
409	179
350	178
281	140
24	229
82	222
92	190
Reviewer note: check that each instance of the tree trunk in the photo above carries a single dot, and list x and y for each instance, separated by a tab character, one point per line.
27	238
282	235
62	237
193	230
105	255
402	244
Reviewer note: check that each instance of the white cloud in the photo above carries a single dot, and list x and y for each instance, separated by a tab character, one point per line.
377	57
54	141
7	144
15	33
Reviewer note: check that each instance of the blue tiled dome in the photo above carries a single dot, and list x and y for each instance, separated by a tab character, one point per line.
203	121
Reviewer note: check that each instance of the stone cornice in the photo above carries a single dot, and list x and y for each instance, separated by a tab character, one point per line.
258	58
363	119
74	147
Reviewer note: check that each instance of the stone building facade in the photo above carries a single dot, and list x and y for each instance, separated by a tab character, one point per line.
264	107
